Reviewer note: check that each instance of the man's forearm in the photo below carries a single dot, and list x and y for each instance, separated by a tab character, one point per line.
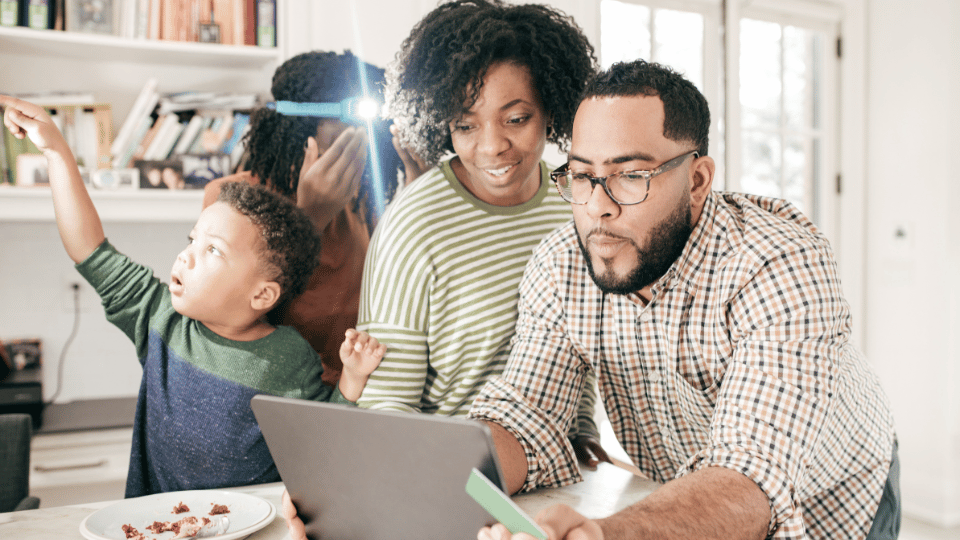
513	460
710	503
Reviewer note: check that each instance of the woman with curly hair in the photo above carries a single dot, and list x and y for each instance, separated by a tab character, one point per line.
323	165
490	83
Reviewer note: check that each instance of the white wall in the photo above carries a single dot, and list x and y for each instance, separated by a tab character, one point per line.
913	292
36	301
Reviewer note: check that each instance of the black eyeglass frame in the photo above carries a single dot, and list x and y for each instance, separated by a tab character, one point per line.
564	171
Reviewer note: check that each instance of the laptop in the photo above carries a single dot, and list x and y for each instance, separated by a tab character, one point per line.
360	474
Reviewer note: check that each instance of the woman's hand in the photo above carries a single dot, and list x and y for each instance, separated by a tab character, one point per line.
329	181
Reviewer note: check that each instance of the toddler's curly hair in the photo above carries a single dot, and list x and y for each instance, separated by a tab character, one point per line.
439	70
290	245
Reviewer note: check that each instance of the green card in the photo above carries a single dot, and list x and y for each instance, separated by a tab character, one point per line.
501	506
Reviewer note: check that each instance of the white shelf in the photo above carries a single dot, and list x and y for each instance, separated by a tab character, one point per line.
86	46
34	204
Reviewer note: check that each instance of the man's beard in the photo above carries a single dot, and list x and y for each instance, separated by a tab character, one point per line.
664	247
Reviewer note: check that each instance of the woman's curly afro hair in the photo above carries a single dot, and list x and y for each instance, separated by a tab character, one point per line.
439	70
290	244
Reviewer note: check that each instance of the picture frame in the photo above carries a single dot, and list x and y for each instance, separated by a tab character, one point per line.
115	178
208	33
92	16
165	174
200	169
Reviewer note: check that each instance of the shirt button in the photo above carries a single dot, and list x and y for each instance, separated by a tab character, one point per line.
646	317
654	378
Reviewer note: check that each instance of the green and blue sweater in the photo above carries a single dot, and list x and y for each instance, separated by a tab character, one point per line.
194	428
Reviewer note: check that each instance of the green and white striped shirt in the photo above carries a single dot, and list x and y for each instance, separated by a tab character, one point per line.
440	289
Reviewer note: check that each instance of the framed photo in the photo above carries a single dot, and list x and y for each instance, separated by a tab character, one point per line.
209	33
199	169
24	353
32	170
115	178
92	16
166	174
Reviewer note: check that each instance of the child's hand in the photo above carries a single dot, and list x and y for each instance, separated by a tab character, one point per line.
25	119
360	354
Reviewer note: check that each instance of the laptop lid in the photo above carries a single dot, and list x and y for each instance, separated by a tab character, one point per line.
359	474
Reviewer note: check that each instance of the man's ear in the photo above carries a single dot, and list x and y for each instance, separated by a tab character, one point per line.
701	180
266	296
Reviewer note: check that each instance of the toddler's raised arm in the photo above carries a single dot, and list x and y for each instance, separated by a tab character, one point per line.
77	218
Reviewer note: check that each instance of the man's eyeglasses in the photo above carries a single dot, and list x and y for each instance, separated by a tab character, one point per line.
625	188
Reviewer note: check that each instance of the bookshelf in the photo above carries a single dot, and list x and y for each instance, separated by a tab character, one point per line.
84	47
115	68
34	204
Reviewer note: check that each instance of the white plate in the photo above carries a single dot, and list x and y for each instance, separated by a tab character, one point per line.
248	514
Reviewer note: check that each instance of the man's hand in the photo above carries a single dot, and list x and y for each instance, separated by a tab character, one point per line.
589	452
330	180
560	522
294	523
413	166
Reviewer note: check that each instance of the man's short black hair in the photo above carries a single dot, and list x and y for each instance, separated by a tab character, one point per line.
290	244
686	113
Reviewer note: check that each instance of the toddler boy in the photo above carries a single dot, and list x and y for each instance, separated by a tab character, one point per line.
203	341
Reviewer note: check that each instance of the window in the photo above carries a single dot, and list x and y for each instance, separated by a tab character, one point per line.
779	136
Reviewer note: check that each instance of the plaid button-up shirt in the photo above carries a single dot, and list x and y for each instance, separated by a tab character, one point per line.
740	360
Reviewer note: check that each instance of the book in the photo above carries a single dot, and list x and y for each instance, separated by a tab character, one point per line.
240	121
124	159
250	22
154	151
103	120
145	141
54	97
189	135
142	108
9	12
15	149
266	23
41	14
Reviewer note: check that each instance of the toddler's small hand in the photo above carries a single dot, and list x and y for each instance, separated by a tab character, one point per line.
361	352
25	119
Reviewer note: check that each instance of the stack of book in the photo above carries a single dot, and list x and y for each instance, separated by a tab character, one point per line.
171	141
183	132
231	22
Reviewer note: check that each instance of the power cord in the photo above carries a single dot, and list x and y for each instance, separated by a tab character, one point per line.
73	334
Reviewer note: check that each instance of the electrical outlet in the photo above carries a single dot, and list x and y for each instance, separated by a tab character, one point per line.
72	292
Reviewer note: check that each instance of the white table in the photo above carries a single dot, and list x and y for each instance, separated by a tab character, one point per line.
603	492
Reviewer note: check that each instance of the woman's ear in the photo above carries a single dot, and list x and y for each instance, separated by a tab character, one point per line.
266	296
